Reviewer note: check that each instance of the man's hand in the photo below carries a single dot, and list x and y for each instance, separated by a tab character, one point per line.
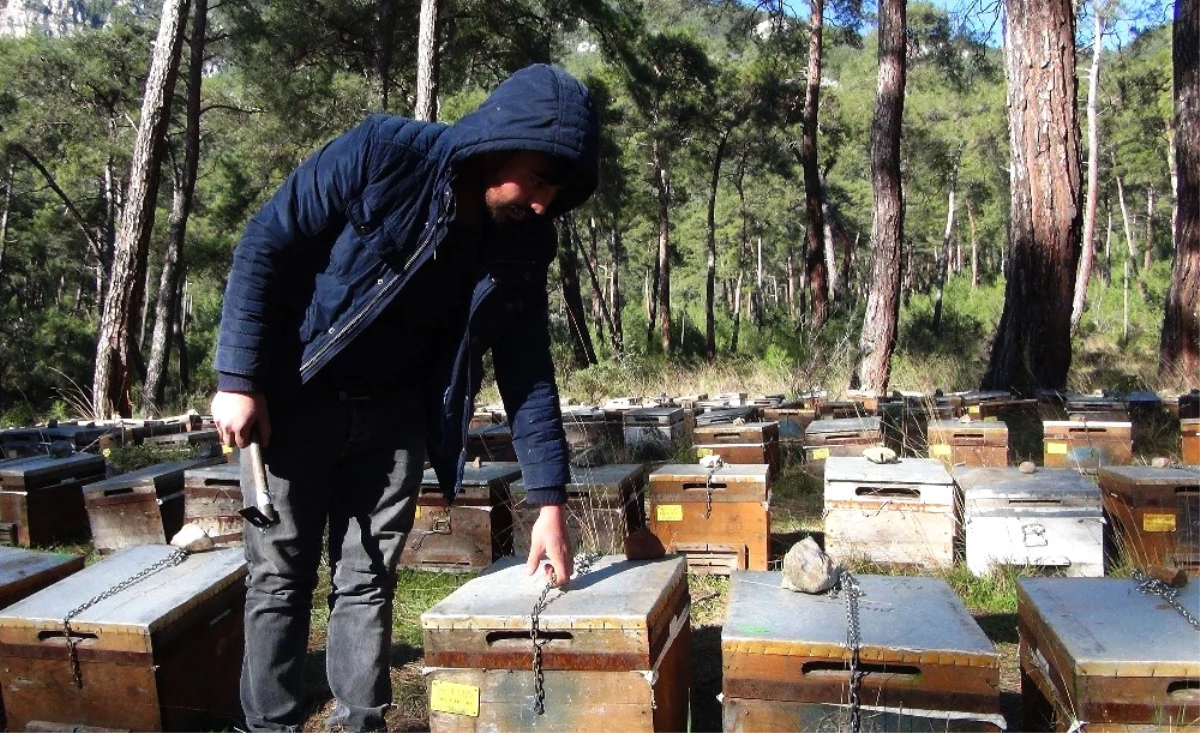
549	536
240	416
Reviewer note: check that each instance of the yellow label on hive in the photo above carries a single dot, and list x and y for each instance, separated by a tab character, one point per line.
939	450
106	452
972	409
1056	449
820	453
226	449
455	698
1158	522
703	452
418	511
669	513
991	418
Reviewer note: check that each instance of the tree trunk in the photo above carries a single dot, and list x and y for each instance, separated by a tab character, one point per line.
1131	251
814	259
974	248
1108	249
112	380
947	243
592	258
791	280
166	312
1180	346
568	270
180	336
1032	348
615	303
710	279
383	58
1088	252
597	293
427	62
1149	251
8	188
873	369
663	271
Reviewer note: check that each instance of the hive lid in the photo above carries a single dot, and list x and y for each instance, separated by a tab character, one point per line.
33	468
974	426
1108	627
614	594
1007	483
843	424
900	617
222	472
1148	476
150	476
728	473
484	475
923	471
583	478
17	565
135	612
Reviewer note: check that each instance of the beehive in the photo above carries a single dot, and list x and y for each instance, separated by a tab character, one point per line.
1049	519
491	443
926	664
1190	441
975	443
1086	446
604	504
719	518
746	443
616	652
1099	655
902	513
1155	515
471	533
839	437
41	498
212	498
25	572
163	654
143	507
654	427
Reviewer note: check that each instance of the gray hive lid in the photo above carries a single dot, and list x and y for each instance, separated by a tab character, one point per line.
843	425
981	484
899	616
1146	475
485	475
609	475
920	471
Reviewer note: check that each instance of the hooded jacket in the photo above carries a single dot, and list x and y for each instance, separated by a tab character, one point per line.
349	228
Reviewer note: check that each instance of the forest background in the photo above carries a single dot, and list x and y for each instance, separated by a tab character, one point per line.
708	260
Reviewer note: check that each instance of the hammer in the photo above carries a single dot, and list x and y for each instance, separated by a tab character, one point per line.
262	513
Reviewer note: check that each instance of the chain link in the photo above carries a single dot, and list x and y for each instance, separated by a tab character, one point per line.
175	558
708	492
441	525
848	587
586	560
1155	587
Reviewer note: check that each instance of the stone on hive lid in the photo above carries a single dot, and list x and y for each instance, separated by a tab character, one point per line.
807	568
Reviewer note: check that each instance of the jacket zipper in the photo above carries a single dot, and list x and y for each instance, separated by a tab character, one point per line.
378	296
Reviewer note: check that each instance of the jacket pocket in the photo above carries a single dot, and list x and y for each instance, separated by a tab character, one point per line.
328	303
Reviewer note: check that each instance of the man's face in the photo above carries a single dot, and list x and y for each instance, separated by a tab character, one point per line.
517	188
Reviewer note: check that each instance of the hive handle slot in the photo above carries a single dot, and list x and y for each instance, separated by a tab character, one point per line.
502	639
1034	502
1187	490
222	483
1186	691
59	635
1087	430
118	492
876	671
699	486
889	492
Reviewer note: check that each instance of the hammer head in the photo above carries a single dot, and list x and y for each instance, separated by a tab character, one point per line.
261	518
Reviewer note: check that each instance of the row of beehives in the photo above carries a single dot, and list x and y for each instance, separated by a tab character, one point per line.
613	652
98	436
915	512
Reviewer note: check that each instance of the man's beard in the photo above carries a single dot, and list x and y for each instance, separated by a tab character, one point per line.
508	214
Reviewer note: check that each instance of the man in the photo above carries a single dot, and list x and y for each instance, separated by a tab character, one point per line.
360	303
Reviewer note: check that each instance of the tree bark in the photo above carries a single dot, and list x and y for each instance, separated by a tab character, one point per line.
947	243
1131	250
597	293
112	380
710	279
615	301
1180	345
873	369
974	248
385	39
166	310
427	62
1032	348
8	188
568	270
1088	252
662	292
1149	250
815	252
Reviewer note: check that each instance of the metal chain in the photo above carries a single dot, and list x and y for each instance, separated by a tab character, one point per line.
175	558
851	591
708	493
441	525
1155	587
586	560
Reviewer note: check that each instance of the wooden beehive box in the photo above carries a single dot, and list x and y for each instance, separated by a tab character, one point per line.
41	498
839	437
1155	515
25	572
842	410
604	504
1099	654
657	427
975	443
164	654
1049	519
792	420
1189	430
1086	446
212	498
616	654
1097	409
785	661
192	437
748	443
143	507
585	427
491	443
470	534
902	513
727	415
720	519
1188	405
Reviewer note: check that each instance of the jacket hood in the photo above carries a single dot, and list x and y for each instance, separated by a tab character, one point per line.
540	108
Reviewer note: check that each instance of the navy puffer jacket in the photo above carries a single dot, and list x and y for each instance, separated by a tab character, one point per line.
347	230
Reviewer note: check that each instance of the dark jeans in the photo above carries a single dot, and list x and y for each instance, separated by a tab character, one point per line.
356	463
